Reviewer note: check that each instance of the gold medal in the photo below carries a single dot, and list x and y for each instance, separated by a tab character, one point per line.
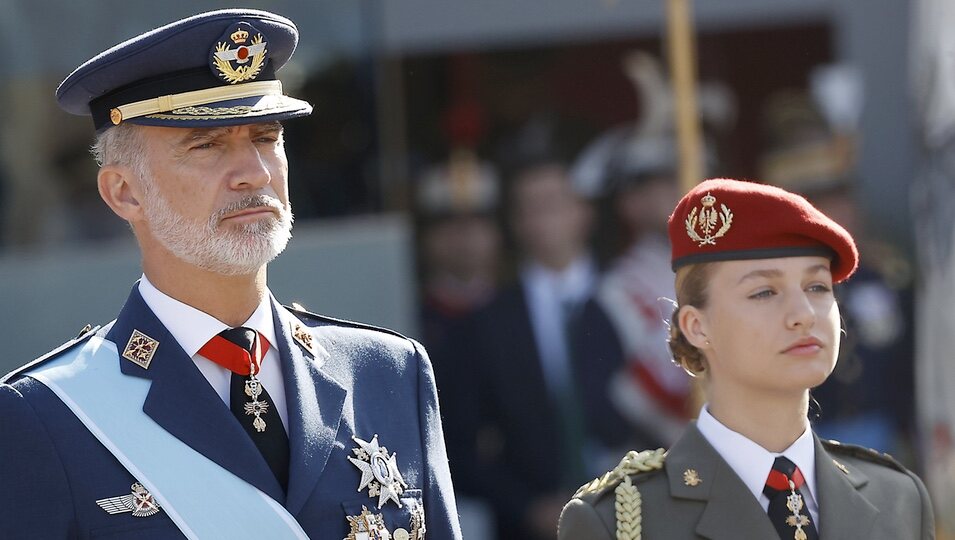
795	505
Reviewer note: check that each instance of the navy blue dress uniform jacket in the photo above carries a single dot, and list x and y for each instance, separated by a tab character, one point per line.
361	381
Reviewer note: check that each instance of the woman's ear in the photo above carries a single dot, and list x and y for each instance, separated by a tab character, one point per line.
121	192
693	324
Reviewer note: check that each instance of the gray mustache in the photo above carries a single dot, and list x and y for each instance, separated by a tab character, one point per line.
253	201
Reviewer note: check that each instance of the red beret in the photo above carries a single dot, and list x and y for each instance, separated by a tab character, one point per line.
724	220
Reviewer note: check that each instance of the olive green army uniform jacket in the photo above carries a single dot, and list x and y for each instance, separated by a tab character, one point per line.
693	493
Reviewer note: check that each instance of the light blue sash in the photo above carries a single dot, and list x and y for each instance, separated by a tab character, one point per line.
203	499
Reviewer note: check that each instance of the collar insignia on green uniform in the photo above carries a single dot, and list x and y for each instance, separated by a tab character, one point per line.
841	467
379	471
692	478
239	54
304	338
140	349
140	502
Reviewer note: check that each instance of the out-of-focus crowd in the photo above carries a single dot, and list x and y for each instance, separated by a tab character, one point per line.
547	294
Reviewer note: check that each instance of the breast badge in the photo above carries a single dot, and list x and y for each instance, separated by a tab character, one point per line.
379	471
140	502
367	526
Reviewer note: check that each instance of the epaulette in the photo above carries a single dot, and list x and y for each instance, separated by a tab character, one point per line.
863	453
632	463
628	503
87	332
301	312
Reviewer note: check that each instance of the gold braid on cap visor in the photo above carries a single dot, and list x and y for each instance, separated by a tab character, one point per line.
195	97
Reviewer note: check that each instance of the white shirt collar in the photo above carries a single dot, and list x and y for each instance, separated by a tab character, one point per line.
574	283
750	461
193	328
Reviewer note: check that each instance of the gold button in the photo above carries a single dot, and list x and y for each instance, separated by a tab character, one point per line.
115	116
401	534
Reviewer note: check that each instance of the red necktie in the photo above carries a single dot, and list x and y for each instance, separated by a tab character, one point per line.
237	349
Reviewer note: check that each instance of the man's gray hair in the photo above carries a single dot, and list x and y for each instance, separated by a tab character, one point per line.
120	145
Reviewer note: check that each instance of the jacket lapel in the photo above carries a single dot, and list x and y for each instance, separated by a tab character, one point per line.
182	402
843	511
314	400
730	510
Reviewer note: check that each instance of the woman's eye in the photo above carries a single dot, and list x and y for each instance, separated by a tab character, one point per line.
765	293
820	287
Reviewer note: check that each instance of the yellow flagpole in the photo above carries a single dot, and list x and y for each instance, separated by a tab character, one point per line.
682	52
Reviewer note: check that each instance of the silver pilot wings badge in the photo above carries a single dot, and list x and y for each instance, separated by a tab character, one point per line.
140	502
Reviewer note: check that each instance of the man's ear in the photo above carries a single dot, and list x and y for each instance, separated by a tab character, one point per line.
121	189
693	324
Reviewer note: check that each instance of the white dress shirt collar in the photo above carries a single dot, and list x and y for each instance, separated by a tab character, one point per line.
752	463
574	283
193	328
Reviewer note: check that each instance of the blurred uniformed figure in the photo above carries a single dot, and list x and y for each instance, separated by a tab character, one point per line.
868	400
758	323
207	409
460	252
632	171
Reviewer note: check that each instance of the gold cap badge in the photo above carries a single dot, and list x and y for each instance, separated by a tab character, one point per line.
704	220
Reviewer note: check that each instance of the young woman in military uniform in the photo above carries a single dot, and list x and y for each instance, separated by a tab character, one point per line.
757	323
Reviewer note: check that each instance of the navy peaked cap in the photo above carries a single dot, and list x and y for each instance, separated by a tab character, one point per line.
212	69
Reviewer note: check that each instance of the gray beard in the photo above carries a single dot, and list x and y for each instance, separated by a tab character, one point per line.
239	250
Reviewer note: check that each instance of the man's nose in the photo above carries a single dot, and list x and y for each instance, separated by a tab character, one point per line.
250	171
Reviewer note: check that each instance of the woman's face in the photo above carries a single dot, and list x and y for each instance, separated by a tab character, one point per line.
771	324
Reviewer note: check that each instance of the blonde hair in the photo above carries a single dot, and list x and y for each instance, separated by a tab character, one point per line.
691	290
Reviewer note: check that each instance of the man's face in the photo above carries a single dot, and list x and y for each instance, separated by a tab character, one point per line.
550	221
217	198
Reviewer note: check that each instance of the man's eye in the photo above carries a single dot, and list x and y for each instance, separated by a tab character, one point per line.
202	146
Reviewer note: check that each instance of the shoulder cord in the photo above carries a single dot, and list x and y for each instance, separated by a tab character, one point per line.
627	506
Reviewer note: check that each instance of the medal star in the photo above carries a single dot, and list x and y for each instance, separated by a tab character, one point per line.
379	471
389	492
366	473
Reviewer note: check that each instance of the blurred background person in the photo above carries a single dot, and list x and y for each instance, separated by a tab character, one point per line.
869	399
533	397
460	245
631	170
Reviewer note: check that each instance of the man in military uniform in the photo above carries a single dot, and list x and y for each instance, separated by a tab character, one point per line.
334	429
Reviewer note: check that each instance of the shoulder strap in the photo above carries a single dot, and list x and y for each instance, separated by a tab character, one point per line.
203	499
